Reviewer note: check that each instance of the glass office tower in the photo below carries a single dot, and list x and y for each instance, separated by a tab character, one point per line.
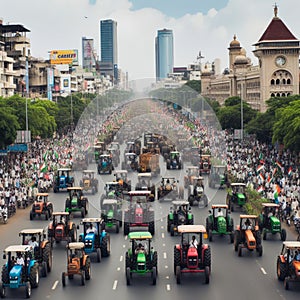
164	53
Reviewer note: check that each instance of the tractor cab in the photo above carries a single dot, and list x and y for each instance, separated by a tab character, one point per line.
237	196
111	212
76	201
205	164
174	161
145	184
218	176
63	179
41	206
89	182
130	162
105	165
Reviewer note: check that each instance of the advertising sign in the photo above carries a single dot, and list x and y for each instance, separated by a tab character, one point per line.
69	57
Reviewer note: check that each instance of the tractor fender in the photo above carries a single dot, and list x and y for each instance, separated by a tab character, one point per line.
282	259
178	247
256	227
70	225
171	216
238	227
103	234
43	244
84	259
50	226
30	264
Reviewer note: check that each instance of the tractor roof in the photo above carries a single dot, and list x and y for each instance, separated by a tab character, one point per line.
74	188
88	171
180	202
104	155
191	229
130	153
18	248
140	235
139	193
270	205
168	178
219	206
292	244
144	174
60	213
64	169
75	245
112	183
238	184
32	231
192	167
173	152
109	201
42	194
205	155
121	171
248	216
91	220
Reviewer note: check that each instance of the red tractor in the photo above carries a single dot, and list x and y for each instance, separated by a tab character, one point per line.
41	206
61	228
139	213
192	255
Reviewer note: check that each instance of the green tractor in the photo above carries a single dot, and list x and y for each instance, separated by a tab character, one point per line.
140	259
219	222
180	214
236	195
217	177
111	213
76	201
269	221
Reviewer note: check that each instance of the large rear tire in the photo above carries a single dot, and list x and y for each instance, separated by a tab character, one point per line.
178	275
177	259
154	275
207	273
105	246
128	276
281	270
34	277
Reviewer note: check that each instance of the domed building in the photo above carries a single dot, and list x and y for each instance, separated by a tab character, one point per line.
276	75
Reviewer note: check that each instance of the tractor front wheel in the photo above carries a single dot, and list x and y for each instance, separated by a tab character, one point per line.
2	291
178	275
283	234
154	275
28	290
128	276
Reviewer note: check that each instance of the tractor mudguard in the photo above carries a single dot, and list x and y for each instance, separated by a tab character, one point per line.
282	259
103	234
30	265
43	244
171	216
177	246
190	216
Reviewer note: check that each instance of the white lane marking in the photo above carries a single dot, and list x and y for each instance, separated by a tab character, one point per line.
166	267
126	237
164	245
163	235
165	255
115	284
124	246
263	270
168	287
167	277
162	227
55	285
161	220
118	269
121	258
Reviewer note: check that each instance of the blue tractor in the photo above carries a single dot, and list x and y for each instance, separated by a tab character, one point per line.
95	238
62	180
20	270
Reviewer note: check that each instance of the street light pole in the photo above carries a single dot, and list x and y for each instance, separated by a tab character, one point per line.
26	116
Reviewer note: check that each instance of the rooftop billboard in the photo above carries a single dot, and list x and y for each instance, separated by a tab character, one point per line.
69	57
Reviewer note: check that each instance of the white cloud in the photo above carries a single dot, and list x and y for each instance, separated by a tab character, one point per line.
60	24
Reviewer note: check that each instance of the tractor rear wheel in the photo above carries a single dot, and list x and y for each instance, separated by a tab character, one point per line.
178	274
87	269
154	275
128	276
82	212
5	274
63	279
237	239
126	228
28	290
82	277
281	270
44	269
154	260
207	257
207	273
177	259
34	276
172	231
47	257
2	291
105	247
283	234
98	255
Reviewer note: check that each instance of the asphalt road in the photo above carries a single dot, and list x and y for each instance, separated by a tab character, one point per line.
232	277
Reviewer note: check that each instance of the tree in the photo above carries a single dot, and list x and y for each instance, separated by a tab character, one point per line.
8	124
286	129
194	84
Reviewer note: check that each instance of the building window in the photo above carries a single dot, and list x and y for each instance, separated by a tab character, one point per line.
272	82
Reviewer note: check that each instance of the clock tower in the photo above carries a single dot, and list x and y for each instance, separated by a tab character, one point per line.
278	53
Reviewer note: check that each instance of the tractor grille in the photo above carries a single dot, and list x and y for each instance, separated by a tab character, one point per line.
72	268
276	227
192	261
58	233
252	243
140	266
88	244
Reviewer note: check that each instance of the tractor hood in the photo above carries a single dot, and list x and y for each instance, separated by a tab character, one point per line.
275	220
110	214
141	258
250	239
16	271
74	201
90	236
221	224
241	196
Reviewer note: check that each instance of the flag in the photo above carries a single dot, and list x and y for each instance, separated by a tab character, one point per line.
261	176
43	168
277	188
260	189
290	171
269	179
279	165
259	168
274	172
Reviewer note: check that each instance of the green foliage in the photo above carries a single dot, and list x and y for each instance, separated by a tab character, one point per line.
194	84
286	129
254	202
232	101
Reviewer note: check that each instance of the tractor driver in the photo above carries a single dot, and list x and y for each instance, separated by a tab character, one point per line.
220	213
91	229
247	225
140	249
193	242
33	243
20	259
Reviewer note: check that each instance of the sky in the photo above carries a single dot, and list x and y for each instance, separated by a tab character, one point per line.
198	25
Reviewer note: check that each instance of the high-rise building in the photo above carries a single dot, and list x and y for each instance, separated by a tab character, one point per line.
164	53
108	41
88	55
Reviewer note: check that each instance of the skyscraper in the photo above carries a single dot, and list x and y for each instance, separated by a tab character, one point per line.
88	55
108	41
164	53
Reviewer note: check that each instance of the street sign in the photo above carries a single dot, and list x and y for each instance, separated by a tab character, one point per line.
17	148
